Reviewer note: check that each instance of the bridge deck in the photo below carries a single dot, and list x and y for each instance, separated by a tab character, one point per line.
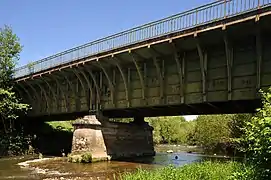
213	67
209	14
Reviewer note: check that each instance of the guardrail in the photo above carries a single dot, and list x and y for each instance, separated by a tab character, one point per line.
196	17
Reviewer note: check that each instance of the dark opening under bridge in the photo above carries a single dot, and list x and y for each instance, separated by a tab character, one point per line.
212	59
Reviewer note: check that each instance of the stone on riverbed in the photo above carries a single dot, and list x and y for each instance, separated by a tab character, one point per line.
85	157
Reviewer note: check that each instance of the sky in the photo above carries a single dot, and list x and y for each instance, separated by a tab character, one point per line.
51	26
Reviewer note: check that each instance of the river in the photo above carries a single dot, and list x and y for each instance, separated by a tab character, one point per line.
62	170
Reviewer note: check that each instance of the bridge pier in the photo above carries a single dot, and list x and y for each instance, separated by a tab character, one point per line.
105	140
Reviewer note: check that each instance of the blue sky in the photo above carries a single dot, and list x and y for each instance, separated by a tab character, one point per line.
50	26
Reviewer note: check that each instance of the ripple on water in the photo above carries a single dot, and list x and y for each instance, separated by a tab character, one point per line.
59	169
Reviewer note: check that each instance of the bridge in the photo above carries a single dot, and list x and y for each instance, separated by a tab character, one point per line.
211	59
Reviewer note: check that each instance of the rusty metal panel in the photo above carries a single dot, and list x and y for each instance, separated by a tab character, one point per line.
193	98
217	73
266	79
217	96
217	56
136	102
152	82
107	105
217	85
244	56
266	67
193	87
192	65
154	91
244	82
151	71
136	93
173	99
121	103
193	76
135	84
170	68
267	52
173	89
120	95
134	74
153	101
244	94
120	86
244	69
172	79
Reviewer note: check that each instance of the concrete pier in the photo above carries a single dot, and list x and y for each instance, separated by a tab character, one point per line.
103	140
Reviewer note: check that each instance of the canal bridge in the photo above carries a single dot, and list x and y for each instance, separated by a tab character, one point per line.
211	59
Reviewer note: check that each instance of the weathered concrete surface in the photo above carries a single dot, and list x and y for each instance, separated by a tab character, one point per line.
105	140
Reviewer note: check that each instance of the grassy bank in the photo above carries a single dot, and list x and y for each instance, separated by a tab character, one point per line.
197	171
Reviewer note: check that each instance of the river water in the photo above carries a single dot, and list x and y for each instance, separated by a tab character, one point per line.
62	170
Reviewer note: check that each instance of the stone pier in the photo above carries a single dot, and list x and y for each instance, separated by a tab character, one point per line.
94	135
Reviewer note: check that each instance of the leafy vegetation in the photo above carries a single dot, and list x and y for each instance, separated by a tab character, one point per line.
256	141
214	133
10	105
197	171
61	125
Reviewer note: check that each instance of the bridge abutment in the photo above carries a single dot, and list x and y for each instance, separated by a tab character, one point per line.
94	135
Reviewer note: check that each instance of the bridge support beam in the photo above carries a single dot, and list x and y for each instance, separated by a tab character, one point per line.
105	140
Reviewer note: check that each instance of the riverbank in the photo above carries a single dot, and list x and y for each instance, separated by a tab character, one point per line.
197	171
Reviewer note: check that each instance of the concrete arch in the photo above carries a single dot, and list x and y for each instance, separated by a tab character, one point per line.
50	88
36	94
123	78
141	77
62	92
48	107
27	92
96	85
110	83
89	85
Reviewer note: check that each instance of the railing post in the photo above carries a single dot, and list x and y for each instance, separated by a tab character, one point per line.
197	17
225	8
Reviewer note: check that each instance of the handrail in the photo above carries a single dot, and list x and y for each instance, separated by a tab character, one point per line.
211	12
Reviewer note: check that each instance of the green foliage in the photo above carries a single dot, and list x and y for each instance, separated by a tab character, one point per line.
170	129
121	120
212	130
9	55
10	105
61	125
15	144
257	137
197	171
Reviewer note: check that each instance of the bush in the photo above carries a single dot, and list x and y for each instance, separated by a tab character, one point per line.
15	144
256	139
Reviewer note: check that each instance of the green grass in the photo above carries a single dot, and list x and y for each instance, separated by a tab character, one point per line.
61	125
196	171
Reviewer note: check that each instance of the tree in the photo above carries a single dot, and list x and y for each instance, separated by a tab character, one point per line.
257	137
10	105
212	131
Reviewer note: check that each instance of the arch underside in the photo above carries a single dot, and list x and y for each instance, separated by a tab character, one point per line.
223	65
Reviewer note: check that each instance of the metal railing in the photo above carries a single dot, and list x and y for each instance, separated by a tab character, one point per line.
196	17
